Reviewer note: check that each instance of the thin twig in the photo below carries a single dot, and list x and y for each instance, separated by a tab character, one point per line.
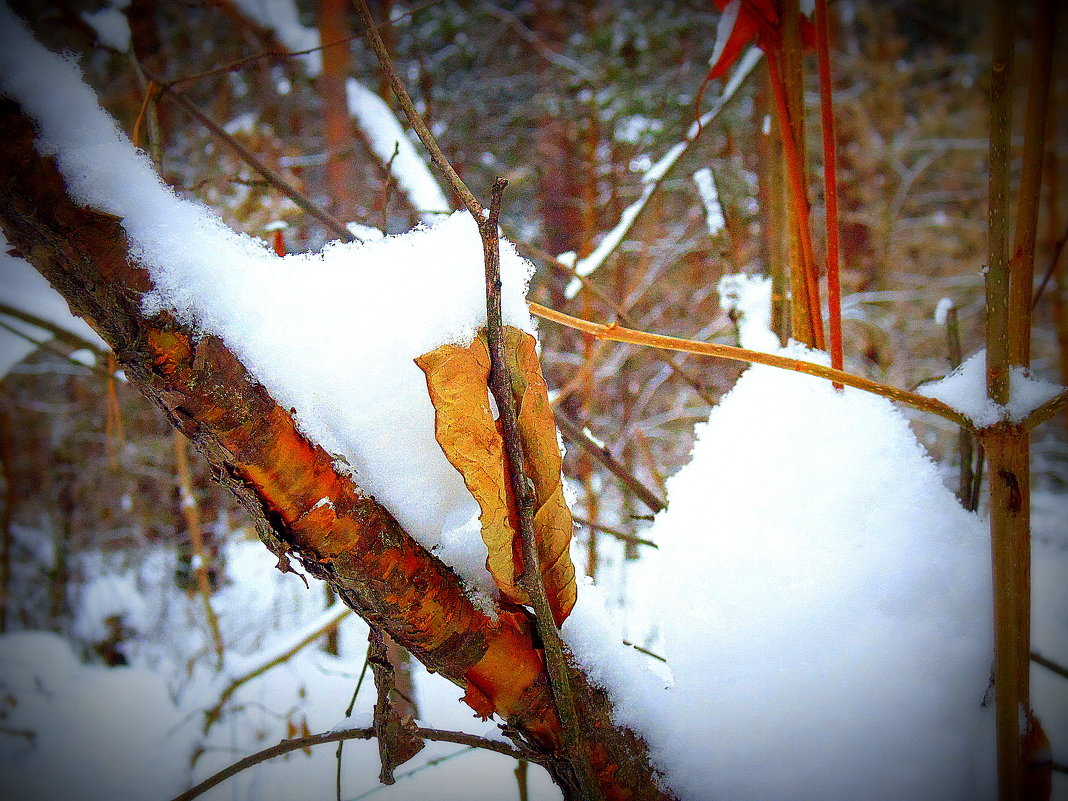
332	620
452	178
1057	250
616	333
1022	264
282	52
1049	664
250	158
605	457
531	581
645	651
191	512
348	713
1045	411
63	335
620	535
830	185
534	253
298	743
48	346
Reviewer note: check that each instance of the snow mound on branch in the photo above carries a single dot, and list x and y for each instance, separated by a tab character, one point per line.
826	606
332	335
964	389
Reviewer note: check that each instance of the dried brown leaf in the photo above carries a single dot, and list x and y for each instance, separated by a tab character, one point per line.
457	379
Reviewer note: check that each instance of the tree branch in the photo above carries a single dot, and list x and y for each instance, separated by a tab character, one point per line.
615	333
299	743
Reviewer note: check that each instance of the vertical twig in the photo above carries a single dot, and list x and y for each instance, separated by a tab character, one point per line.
1022	266
521	770
830	185
348	713
965	440
786	68
191	513
501	387
7	468
1005	444
452	178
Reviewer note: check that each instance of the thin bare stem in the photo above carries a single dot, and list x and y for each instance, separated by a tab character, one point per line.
1049	664
1006	445
1022	265
1045	411
798	195
250	158
616	333
330	622
534	253
531	581
622	536
1058	249
299	743
414	119
191	513
830	184
605	457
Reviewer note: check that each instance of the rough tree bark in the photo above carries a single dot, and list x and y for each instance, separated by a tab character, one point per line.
257	452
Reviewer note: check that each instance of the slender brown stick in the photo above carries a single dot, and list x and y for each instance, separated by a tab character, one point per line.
452	178
250	158
1058	249
299	743
1049	664
1045	411
605	457
965	440
534	253
277	659
1006	445
191	513
616	333
531	580
830	184
1022	265
622	536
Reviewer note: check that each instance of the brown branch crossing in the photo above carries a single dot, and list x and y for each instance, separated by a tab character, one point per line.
616	333
300	743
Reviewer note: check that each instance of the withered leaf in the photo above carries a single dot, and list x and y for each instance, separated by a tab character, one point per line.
457	378
397	734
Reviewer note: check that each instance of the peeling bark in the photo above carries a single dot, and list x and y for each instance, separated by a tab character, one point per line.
256	451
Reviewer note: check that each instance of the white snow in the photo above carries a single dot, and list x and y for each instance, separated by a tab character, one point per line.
706	188
392	146
826	606
965	390
332	334
23	289
97	733
941	313
281	18
749	296
110	24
